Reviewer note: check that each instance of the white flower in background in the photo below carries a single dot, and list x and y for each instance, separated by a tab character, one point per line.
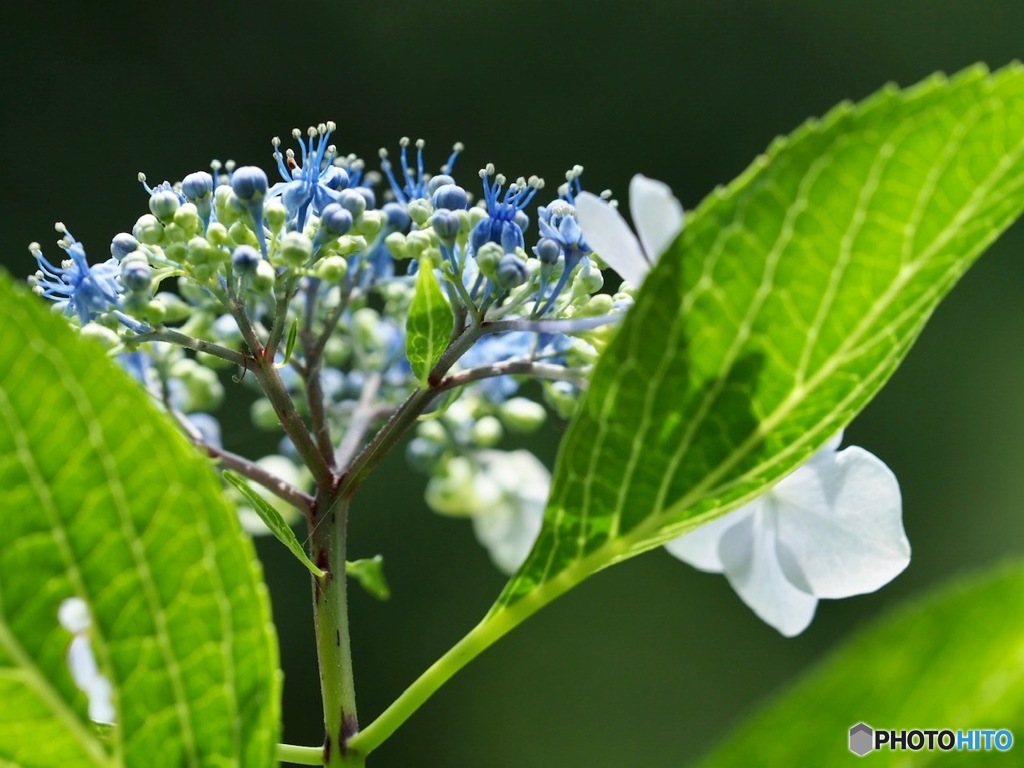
503	492
657	216
509	523
833	528
73	615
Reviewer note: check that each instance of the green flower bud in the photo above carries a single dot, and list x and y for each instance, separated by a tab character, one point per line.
369	224
148	230
175	310
203	390
295	249
156	311
163	205
103	336
332	269
228	207
432	430
337	351
397	247
488	257
418	242
487	432
187	217
349	244
476	215
264	279
419	211
275	214
598	304
199	251
522	415
588	280
218	235
453	493
242	235
561	397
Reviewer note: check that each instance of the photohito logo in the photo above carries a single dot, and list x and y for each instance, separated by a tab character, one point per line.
864	739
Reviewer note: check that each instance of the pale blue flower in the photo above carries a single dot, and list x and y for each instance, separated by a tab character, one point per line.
79	288
833	528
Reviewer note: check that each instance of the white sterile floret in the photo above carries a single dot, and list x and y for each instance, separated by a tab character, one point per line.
657	216
517	486
833	528
73	615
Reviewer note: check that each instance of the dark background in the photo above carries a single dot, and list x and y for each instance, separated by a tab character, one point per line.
649	663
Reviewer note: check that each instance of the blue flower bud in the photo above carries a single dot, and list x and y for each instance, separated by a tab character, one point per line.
397	217
436	182
511	271
122	245
334	178
245	259
249	183
445	224
353	202
547	251
451	197
335	220
136	276
197	187
522	220
368	196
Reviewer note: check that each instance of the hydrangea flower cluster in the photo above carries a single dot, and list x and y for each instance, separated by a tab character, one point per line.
364	306
302	287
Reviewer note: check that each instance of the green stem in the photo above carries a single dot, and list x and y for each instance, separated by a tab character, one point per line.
494	626
334	651
290	753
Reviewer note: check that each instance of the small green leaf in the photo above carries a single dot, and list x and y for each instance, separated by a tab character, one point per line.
429	327
788	300
370	575
102	499
273	520
289	346
952	660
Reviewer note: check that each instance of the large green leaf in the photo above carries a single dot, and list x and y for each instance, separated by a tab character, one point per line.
950	661
101	499
786	303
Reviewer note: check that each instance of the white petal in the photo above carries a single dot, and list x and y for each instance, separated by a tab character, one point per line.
752	567
509	526
700	547
73	615
82	663
657	215
840	520
101	706
609	236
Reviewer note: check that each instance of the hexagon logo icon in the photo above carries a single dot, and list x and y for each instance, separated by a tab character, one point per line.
861	739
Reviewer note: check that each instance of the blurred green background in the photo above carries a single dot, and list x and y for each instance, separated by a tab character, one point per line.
648	663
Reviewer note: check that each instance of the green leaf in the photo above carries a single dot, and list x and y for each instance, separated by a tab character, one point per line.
429	327
785	304
951	661
289	347
274	521
370	575
102	499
